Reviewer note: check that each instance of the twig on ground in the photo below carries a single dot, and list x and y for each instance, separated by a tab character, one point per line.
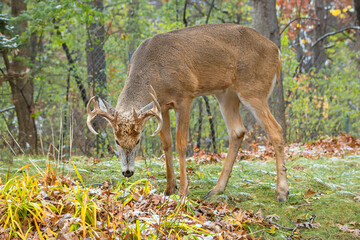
280	226
307	224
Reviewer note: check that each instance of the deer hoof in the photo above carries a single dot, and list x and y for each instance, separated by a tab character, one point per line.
211	193
282	196
282	190
170	190
184	191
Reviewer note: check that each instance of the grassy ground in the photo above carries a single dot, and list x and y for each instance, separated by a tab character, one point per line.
325	188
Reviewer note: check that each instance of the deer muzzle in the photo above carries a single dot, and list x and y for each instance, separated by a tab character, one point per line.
128	173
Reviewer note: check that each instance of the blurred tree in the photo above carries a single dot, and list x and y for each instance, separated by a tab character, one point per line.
357	9
95	51
324	100
264	20
319	55
357	22
21	80
96	64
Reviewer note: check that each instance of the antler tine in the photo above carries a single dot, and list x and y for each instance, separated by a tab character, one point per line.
115	117
160	124
154	97
152	89
145	114
135	116
91	92
91	114
97	111
156	110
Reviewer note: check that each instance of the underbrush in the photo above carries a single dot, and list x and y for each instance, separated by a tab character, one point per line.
93	200
46	206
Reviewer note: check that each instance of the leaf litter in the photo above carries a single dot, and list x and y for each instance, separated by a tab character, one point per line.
340	146
56	207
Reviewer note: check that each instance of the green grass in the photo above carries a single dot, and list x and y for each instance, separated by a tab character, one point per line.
323	187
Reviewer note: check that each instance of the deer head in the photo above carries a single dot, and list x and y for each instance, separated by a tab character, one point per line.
127	126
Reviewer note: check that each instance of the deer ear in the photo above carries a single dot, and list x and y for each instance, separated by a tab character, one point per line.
146	108
106	107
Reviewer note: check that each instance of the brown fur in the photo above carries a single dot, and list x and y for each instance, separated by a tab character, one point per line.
235	63
126	133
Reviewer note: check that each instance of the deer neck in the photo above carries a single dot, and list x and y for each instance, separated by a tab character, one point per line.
134	95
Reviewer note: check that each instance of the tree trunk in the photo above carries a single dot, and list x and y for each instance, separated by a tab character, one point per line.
264	21
319	55
22	88
357	10
96	66
357	22
95	53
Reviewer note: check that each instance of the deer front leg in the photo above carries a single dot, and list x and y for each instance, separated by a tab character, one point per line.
182	130
165	136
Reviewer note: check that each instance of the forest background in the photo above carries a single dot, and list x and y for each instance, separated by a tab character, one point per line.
53	51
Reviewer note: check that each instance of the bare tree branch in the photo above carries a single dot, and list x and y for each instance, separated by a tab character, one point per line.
7	109
297	19
184	14
319	40
71	62
12	150
6	60
208	15
114	4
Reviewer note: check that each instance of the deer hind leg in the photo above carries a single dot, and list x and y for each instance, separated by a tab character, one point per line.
165	136
260	108
182	132
229	105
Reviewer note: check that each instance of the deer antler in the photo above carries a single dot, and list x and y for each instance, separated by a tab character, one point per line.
97	111
154	111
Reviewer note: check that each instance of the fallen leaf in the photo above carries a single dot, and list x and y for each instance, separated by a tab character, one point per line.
260	214
309	193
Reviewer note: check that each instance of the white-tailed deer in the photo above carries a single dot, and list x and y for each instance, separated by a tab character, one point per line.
167	71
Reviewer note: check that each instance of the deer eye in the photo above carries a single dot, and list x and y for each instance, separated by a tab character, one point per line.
138	141
117	142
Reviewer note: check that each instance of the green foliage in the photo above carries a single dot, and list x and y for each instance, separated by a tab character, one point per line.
324	102
33	203
8	40
232	11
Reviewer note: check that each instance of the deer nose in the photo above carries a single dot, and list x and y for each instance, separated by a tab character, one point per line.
128	173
